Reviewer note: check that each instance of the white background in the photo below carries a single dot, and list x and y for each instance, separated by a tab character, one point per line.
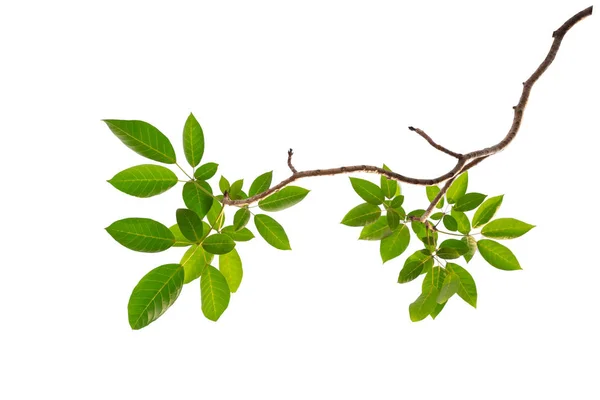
339	82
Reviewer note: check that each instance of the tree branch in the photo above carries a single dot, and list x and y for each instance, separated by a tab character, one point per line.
464	161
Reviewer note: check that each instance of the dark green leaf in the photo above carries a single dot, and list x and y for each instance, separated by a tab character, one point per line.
197	196
506	228
194	261
144	139
180	240
376	231
437	216
154	294
388	186
206	171
216	216
417	262
261	184
458	188
395	244
466	288
425	304
469	201
230	265
472	244
193	141
235	190
142	234
452	248
450	223
449	287
462	221
218	244
393	218
486	210
397	201
223	185
243	235
214	293
433	191
144	180
437	310
361	215
368	191
189	224
497	255
272	232
285	198
241	218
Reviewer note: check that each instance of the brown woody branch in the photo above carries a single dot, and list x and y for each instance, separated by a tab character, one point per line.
464	161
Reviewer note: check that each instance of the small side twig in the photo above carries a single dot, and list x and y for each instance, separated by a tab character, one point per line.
434	144
290	154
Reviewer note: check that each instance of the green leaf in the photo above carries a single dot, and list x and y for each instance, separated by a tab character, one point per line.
506	228
376	231
218	244
189	224
241	218
416	213
472	245
417	262
193	141
462	221
433	191
393	218
427	236
243	235
223	184
215	216
144	180
397	201
437	310
469	201
388	186
486	211
214	293
272	232
497	255
285	198
449	288
261	184
206	171
450	223
368	191
425	304
180	240
452	248
437	216
197	196
466	288
154	294
235	190
361	215
395	244
458	188
142	234
144	139
230	265
194	261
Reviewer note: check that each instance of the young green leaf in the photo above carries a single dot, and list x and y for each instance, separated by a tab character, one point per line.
189	224
154	294
241	218
425	304
395	244
506	228
397	202
449	287
194	261
193	141
433	191
223	185
243	235
180	240
466	288
145	180
462	221
272	232
216	216
393	218
417	262
362	215
368	191
142	234
450	223
206	171
376	231
218	244
214	293
458	188
497	255
472	245
437	216
285	198
261	184
486	210
388	186
197	196
452	248
144	139
437	310
230	265
469	201
235	190
427	236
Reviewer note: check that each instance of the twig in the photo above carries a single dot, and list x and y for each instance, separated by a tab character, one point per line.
290	154
434	144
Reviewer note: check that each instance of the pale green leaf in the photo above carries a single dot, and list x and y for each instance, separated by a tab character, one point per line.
216	216
214	293
469	201
425	304
361	215
194	261
272	232
218	244
368	191
449	287
506	228
223	185
180	240
472	245
486	210
462	221
243	235
458	188
417	262
145	180
498	255
395	244
206	171
466	288
261	184
388	186
230	265
284	198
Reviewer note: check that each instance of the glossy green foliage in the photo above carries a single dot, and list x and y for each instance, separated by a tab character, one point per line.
498	255
450	223
193	141
463	225
194	261
469	201
389	187
190	225
506	228
206	171
241	218
472	245
235	190
224	185
430	290
368	191
154	294
142	234
449	287
214	293
144	139
284	198
458	188
486	210
145	180
242	235
197	196
418	262
433	191
452	248
466	287
394	244
362	215
261	184
272	232
180	240
230	265
218	243
376	231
